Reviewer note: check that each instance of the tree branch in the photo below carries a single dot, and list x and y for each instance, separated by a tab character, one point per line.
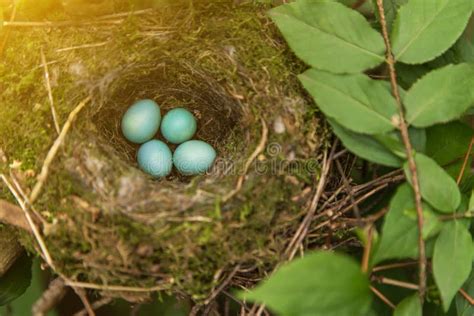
409	151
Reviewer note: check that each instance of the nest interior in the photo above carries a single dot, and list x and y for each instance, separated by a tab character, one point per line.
111	224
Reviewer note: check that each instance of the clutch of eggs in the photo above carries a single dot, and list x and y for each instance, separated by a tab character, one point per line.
141	123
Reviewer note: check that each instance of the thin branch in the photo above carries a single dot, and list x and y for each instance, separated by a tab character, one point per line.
409	152
253	156
394	266
382	297
67	49
367	249
50	92
10	24
466	296
466	160
388	281
32	224
96	305
54	150
83	296
115	288
303	228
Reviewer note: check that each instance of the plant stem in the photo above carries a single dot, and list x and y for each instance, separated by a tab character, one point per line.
466	160
409	152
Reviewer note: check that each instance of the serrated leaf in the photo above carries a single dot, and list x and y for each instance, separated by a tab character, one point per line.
328	35
354	101
365	146
329	278
410	306
440	96
399	236
440	144
424	29
16	280
436	186
452	260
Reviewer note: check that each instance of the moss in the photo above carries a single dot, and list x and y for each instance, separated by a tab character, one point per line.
110	223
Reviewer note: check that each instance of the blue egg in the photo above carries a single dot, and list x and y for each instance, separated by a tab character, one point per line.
155	158
141	121
178	126
194	157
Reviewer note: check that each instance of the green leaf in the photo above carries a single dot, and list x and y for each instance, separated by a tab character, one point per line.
424	29
448	142
391	8
393	141
365	146
399	236
436	186
316	285
410	306
16	280
355	101
441	96
327	35
452	260
463	307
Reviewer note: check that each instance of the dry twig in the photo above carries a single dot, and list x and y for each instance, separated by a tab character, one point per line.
382	297
466	160
409	152
54	150
95	306
50	92
257	151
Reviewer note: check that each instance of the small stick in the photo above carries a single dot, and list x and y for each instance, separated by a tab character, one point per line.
54	150
397	283
466	160
257	151
349	190
9	24
50	92
382	297
25	198
32	224
394	266
409	152
96	305
83	296
466	296
66	49
367	249
114	288
304	226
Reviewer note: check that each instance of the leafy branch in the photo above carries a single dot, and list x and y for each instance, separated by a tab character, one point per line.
419	131
409	152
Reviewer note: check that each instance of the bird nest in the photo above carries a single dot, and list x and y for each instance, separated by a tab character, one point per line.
114	225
